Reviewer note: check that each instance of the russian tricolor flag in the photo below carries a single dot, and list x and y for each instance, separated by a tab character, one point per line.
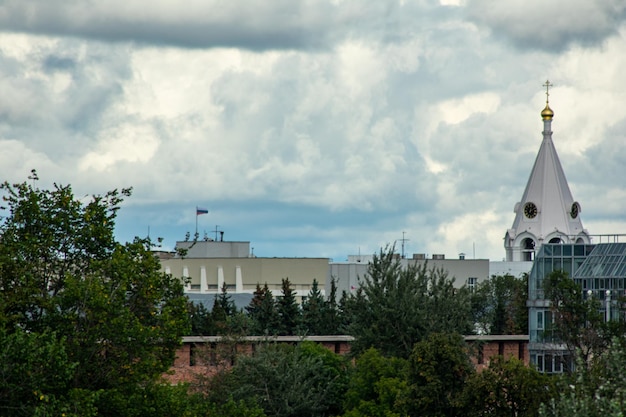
200	211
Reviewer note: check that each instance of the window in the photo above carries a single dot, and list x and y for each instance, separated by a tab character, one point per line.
547	364
551	362
539	362
472	282
528	249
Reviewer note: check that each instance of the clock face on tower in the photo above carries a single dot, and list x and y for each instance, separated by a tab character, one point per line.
574	210
530	210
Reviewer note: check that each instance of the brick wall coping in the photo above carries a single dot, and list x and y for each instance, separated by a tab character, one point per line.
497	338
344	338
214	339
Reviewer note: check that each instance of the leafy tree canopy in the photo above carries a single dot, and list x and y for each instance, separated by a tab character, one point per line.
438	368
376	384
507	388
302	380
499	305
103	307
596	390
396	307
579	320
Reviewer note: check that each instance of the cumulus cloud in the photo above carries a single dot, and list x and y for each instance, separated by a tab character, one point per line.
552	25
409	117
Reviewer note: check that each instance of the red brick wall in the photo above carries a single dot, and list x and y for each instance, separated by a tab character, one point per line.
482	352
191	358
207	358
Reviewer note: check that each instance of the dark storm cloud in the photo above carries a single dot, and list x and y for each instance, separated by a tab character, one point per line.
246	24
281	24
551	26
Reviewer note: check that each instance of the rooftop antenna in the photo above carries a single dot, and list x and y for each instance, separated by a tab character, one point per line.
216	231
403	240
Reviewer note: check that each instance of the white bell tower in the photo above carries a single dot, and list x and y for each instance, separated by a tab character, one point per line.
547	212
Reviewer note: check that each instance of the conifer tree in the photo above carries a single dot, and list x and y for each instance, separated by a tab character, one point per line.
313	312
345	310
263	313
254	307
396	307
330	314
288	310
201	320
223	308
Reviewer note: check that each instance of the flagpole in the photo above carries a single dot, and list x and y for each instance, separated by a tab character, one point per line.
199	211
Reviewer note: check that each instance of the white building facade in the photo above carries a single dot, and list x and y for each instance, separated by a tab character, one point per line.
547	212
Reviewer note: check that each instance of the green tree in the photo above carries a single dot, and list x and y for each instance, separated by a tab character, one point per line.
396	307
263	313
225	302
223	309
303	380
118	318
376	383
345	309
201	321
579	321
288	310
313	309
499	305
438	369
231	408
507	388
598	390
331	320
239	324
35	373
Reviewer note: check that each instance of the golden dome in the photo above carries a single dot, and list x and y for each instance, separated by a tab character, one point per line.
547	113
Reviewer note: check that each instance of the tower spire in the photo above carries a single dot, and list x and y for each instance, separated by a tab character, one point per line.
547	212
547	113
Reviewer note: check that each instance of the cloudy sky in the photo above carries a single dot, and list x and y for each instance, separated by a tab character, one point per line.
317	128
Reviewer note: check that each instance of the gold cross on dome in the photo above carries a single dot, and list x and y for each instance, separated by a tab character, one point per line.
547	85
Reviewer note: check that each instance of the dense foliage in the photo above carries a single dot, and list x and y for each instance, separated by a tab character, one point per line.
593	390
579	319
499	305
507	388
397	307
302	380
267	315
88	325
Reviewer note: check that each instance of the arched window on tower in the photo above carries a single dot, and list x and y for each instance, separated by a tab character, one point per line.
555	240
528	249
